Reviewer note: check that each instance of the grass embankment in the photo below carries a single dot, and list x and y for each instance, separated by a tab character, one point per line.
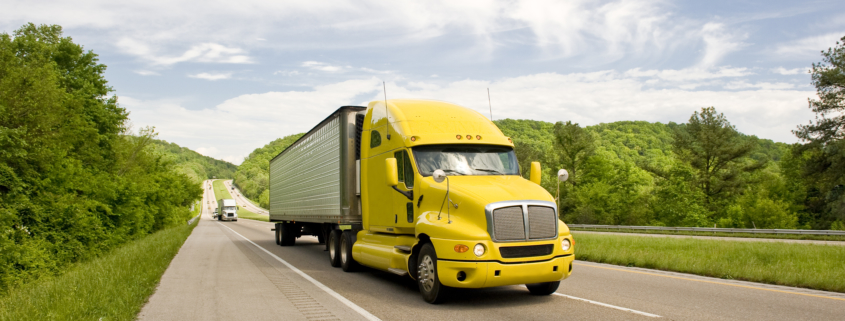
746	235
112	287
220	192
802	265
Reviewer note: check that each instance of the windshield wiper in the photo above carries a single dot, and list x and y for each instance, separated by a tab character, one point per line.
488	170
453	171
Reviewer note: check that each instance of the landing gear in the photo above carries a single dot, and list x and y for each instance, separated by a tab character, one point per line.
543	288
430	287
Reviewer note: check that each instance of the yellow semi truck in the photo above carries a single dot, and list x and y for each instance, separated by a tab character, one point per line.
424	189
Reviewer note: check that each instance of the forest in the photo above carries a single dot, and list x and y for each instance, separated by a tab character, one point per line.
194	165
253	178
75	180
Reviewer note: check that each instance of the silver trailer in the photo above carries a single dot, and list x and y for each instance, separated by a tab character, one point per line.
314	183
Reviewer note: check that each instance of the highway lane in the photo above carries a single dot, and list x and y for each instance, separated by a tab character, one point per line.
611	288
243	201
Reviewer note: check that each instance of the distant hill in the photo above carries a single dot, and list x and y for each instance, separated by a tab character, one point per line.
193	164
252	177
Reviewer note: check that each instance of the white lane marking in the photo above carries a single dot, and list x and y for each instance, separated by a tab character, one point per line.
609	306
350	304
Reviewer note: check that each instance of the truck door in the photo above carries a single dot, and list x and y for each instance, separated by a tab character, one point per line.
404	209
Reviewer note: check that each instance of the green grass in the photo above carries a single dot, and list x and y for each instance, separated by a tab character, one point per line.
112	287
794	264
746	235
220	191
242	213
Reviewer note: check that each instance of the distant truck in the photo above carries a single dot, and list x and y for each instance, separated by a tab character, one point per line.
227	210
423	189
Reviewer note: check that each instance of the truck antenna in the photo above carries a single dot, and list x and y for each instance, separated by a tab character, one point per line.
490	103
386	118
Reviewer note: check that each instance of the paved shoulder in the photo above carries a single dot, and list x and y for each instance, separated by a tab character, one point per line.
218	275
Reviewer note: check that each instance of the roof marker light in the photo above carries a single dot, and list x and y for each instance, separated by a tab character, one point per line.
478	137
469	137
459	136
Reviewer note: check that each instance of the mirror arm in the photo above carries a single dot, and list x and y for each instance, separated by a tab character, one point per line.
408	194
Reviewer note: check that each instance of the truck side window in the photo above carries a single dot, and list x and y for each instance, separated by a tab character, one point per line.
409	171
375	139
400	165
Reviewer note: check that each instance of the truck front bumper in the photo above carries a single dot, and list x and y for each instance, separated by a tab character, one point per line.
493	273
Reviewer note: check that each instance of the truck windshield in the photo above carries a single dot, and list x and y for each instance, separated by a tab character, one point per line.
229	208
466	160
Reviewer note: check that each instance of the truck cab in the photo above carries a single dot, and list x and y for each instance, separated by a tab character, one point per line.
227	210
443	202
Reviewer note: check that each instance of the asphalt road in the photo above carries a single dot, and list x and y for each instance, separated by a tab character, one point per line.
595	291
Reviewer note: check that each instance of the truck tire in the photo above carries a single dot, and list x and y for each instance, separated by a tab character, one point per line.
334	247
543	288
347	263
429	282
288	238
278	234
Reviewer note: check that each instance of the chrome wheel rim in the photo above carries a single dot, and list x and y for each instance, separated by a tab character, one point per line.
426	273
343	253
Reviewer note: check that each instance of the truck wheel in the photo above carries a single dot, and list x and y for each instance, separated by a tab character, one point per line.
430	287
334	248
347	263
543	288
278	234
288	238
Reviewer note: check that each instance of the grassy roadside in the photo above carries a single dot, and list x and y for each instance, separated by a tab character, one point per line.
745	235
220	191
802	265
242	213
112	287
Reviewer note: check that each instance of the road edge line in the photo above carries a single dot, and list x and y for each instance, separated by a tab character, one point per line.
609	305
366	314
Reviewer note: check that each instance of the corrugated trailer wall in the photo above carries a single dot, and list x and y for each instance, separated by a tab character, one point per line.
310	180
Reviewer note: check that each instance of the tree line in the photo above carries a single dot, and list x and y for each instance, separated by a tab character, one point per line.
75	181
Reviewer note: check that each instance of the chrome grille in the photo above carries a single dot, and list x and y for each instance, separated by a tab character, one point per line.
514	221
508	224
541	222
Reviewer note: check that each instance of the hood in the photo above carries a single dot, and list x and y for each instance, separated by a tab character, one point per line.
496	188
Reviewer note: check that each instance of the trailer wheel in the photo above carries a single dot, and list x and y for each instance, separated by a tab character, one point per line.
334	247
429	282
543	288
288	238
278	234
347	263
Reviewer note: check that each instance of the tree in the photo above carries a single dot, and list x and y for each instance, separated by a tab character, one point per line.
824	139
716	152
575	145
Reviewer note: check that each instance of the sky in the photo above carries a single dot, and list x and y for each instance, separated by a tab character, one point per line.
224	78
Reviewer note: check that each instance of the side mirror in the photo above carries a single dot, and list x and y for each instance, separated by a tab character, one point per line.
534	174
562	175
438	175
392	174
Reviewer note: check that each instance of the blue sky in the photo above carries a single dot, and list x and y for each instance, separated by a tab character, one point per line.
226	78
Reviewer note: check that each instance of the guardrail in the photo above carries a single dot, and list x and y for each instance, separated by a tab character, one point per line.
191	221
707	229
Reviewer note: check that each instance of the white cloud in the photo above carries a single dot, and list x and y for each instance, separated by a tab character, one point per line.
719	42
690	74
146	73
204	52
211	76
808	47
236	126
321	66
784	71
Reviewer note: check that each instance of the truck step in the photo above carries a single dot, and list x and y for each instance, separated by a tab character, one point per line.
397	271
403	248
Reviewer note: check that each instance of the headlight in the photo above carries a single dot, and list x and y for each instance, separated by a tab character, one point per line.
478	249
565	244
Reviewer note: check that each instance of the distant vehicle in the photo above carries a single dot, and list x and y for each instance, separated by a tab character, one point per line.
228	210
214	215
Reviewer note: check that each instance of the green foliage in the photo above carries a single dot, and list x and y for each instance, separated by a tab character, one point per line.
193	164
252	177
73	184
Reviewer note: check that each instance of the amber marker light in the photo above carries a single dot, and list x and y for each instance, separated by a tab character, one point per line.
459	137
413	138
469	137
460	248
478	137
